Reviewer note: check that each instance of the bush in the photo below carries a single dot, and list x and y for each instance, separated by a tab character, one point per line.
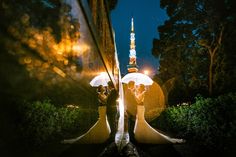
42	123
38	122
209	121
75	121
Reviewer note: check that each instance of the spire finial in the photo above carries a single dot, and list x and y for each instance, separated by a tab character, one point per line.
132	24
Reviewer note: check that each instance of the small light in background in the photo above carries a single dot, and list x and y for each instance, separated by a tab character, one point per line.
146	72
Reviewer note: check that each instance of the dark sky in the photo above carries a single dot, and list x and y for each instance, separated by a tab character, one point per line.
147	16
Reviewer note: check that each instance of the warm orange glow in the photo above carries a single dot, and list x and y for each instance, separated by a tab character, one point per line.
73	68
146	72
79	48
37	63
103	73
76	47
66	62
67	47
27	60
59	71
45	65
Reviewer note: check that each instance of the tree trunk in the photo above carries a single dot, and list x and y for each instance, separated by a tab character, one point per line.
210	75
212	51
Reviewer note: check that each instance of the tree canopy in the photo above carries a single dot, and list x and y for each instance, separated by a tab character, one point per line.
196	47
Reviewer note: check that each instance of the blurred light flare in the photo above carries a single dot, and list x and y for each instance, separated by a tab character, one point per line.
146	72
59	71
27	60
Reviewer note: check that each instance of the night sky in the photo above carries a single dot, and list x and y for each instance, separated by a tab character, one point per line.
147	17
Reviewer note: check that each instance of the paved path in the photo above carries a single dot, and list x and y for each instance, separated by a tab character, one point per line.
144	150
110	150
96	150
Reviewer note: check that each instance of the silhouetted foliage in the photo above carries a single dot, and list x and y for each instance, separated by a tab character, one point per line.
195	46
41	123
208	121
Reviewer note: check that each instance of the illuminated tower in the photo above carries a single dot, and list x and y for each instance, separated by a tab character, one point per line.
132	67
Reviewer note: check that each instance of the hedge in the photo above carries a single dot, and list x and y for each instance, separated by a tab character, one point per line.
42	123
209	121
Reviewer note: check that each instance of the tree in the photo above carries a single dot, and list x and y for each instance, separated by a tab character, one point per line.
191	41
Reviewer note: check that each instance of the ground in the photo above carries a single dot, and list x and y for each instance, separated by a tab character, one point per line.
109	150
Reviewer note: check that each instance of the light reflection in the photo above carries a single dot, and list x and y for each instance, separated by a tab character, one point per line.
49	54
79	49
59	71
41	52
27	60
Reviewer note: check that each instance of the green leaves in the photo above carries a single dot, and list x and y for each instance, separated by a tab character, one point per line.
42	122
209	121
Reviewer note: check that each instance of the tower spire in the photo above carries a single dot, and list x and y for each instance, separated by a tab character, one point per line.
132	67
132	24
